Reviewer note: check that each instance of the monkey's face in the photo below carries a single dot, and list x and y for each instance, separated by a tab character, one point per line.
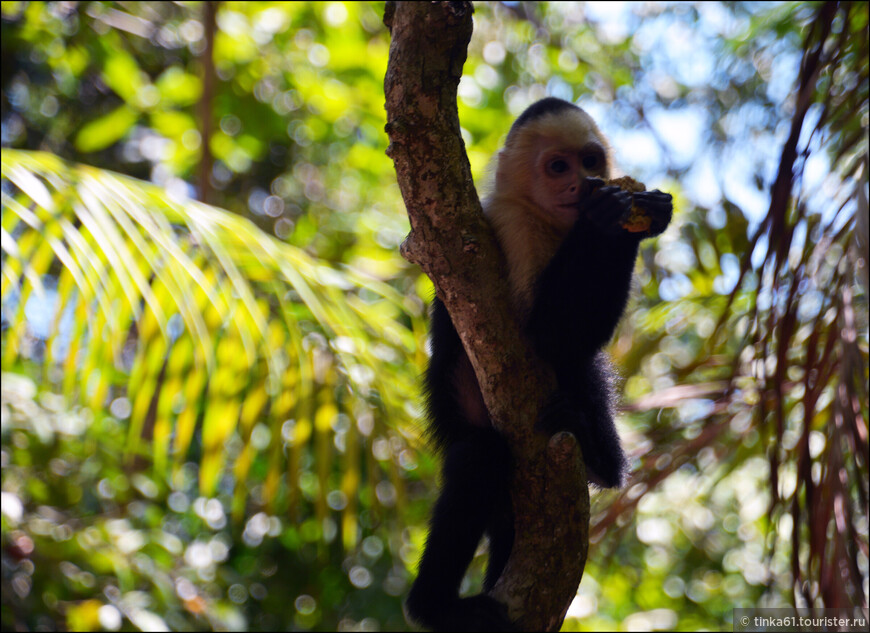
561	171
546	162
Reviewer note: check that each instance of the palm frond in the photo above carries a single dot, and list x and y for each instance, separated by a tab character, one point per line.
197	326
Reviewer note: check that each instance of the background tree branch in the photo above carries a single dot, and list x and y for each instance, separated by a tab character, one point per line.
206	102
452	242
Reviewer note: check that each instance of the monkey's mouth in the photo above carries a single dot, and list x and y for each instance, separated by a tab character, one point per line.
565	214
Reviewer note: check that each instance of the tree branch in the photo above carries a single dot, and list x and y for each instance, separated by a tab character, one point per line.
452	242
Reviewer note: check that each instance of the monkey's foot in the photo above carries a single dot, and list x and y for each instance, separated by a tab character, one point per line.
477	613
481	613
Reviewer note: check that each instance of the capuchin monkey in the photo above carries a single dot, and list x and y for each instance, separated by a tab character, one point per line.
570	248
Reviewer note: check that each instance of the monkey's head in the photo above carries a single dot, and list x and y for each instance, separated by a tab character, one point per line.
550	150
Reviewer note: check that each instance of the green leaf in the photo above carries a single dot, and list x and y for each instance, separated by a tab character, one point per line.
106	130
178	88
121	73
172	123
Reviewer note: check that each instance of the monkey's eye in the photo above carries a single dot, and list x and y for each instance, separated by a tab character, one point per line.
592	161
559	166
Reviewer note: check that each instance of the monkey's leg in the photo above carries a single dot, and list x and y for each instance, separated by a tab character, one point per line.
476	474
501	539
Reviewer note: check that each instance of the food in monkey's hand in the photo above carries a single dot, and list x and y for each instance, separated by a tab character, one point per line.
650	210
626	183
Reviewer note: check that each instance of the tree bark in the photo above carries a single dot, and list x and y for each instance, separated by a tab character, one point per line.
453	243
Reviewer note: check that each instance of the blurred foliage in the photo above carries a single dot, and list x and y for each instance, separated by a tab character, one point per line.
272	368
209	416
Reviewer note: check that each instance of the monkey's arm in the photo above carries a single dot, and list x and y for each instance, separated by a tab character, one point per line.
580	297
582	292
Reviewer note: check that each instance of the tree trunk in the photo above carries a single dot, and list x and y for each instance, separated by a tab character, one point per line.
452	242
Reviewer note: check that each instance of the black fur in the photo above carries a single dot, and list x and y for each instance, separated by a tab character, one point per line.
579	299
548	105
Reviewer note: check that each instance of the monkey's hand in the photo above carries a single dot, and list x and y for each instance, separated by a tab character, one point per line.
606	207
646	215
651	212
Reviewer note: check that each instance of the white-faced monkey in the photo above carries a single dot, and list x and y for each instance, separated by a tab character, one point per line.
571	242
